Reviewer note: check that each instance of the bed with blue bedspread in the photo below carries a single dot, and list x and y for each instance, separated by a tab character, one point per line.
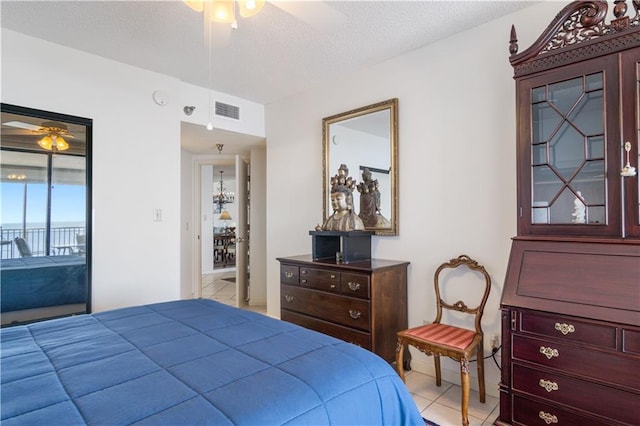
37	282
192	362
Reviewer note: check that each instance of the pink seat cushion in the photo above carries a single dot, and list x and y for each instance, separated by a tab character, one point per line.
442	334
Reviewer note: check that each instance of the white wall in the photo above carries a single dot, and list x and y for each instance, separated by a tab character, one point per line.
137	162
456	162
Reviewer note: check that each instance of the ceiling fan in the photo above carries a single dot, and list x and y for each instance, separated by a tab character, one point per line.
52	132
318	14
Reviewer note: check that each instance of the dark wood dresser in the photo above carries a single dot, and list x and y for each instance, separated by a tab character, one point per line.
571	297
363	302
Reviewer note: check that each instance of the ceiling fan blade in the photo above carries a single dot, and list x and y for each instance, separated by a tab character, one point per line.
16	131
319	14
22	125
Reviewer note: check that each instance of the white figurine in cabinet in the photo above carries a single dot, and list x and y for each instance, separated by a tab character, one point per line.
579	209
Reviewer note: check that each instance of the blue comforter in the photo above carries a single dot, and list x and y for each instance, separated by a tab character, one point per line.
192	362
36	282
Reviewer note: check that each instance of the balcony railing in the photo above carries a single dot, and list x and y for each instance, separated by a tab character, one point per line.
36	238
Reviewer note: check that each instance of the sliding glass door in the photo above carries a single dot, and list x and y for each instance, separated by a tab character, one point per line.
44	224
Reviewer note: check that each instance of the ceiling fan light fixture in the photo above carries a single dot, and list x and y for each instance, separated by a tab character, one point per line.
221	11
51	142
60	143
46	143
197	5
224	10
250	8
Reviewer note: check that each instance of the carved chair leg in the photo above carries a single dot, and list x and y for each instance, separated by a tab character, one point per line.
480	361
407	359
464	384
399	359
436	361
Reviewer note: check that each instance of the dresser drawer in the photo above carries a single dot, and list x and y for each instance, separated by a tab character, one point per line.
356	285
570	329
533	413
631	341
360	338
289	274
604	400
602	366
343	310
320	279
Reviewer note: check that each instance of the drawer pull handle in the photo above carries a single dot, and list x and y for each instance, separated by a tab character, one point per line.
549	352
548	417
288	274
548	385
332	286
304	281
355	314
565	328
353	286
303	272
288	298
333	277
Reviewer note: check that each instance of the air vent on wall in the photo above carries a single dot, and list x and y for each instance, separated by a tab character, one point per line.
226	110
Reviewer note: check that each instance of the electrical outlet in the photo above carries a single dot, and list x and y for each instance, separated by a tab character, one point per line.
495	341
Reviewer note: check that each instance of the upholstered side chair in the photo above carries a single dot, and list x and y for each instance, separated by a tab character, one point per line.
459	344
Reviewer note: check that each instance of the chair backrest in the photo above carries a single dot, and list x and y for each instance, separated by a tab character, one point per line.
460	306
23	247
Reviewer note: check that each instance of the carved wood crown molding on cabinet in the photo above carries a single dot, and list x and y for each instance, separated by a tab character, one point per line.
571	298
577	33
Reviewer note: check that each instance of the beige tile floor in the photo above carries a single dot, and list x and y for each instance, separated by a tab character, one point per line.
442	404
215	287
438	404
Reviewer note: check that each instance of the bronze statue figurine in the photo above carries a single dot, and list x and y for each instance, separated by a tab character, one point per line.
343	217
370	202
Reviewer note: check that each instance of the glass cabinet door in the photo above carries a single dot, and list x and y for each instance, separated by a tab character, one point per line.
566	150
631	134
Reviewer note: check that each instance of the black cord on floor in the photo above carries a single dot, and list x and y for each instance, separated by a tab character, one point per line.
493	355
494	351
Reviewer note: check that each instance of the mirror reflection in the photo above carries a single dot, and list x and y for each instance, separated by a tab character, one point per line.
365	141
44	228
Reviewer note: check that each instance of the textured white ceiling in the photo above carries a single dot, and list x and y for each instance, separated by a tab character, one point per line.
270	56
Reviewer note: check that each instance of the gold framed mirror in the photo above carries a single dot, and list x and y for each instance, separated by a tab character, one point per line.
366	141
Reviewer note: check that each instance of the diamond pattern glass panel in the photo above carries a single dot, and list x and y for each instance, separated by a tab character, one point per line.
565	94
539	94
546	186
545	120
590	182
563	209
539	154
567	152
595	147
593	82
587	115
596	215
